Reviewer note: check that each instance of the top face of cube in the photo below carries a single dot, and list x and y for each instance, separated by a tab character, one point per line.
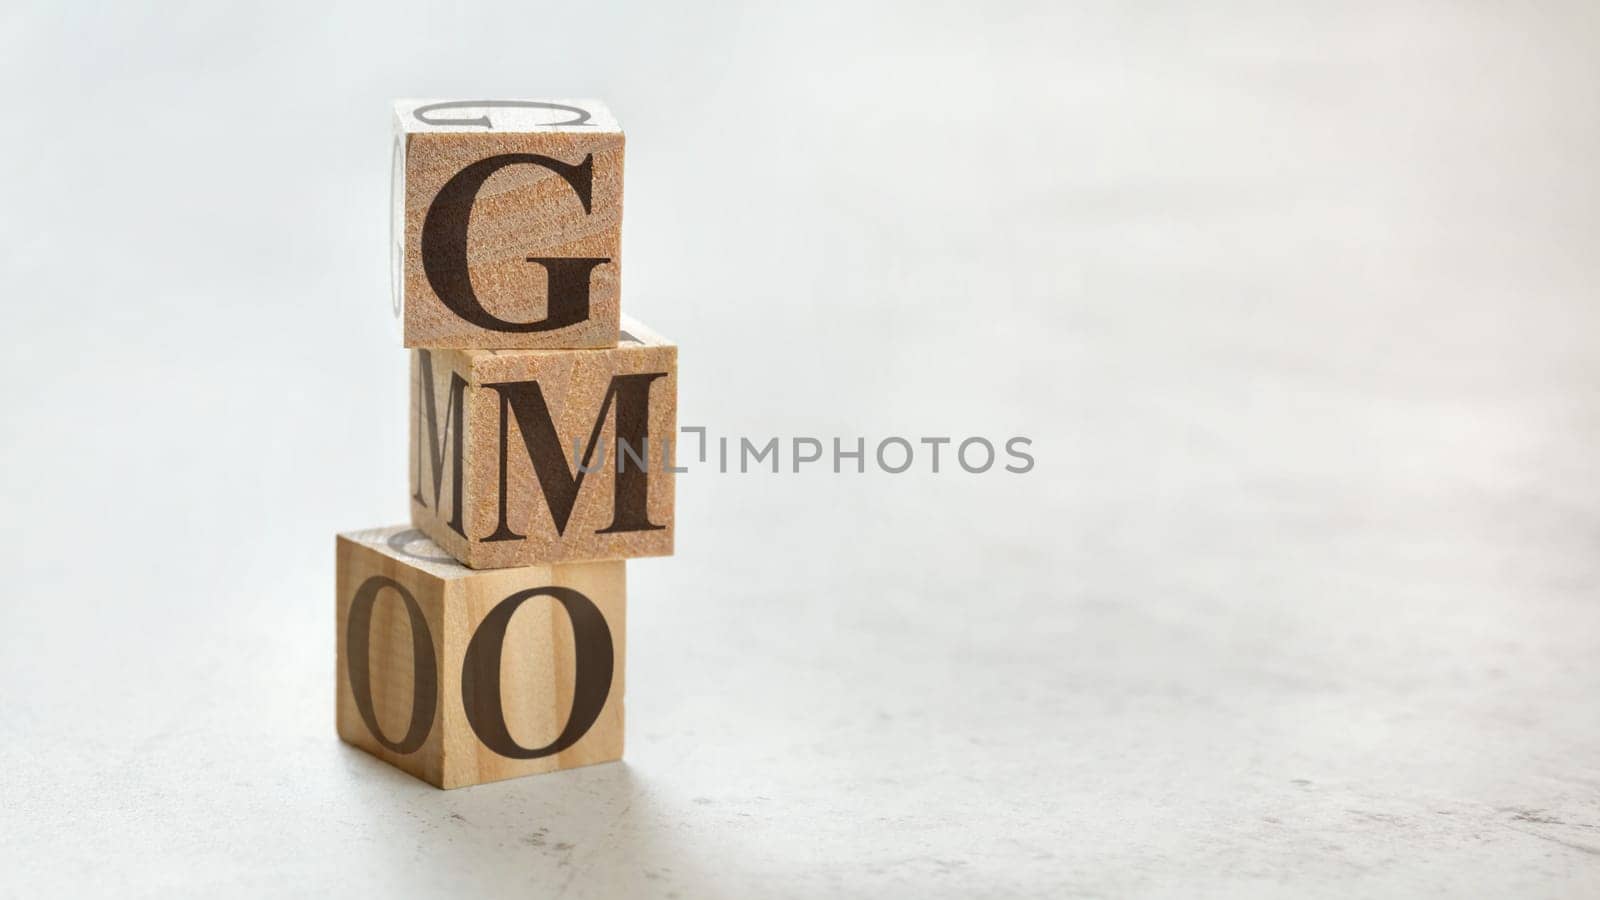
411	547
586	116
507	223
488	365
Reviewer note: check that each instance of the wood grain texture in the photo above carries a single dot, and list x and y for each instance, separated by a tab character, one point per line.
521	211
537	667
468	411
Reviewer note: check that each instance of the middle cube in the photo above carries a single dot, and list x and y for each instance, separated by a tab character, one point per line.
528	457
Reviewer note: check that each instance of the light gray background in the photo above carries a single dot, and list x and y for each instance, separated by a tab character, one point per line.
1298	302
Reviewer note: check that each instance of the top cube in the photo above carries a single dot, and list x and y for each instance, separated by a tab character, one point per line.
507	225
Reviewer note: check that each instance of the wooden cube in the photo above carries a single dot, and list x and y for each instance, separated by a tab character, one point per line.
525	457
507	223
460	677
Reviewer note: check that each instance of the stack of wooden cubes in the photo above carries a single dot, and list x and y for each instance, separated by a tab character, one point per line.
486	639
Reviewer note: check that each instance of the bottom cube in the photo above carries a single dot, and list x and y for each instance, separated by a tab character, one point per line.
460	676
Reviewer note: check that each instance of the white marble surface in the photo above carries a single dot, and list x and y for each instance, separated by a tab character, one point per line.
1298	304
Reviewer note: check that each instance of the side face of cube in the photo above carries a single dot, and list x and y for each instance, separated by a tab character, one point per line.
391	648
527	667
533	457
508	223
